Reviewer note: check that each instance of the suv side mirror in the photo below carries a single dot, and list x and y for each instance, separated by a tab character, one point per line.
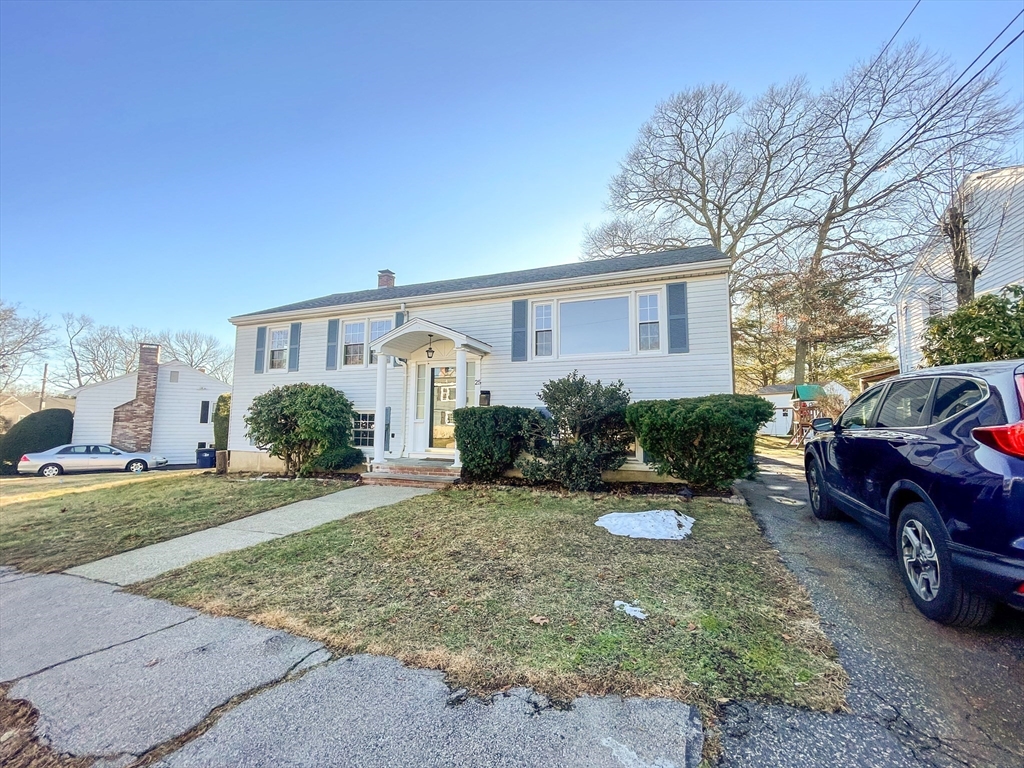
823	425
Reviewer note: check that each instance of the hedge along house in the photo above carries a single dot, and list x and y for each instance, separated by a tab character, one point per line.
408	356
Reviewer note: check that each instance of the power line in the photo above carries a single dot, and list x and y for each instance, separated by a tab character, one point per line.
935	107
884	49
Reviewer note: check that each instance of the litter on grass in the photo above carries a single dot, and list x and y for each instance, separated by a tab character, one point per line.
653	524
632	610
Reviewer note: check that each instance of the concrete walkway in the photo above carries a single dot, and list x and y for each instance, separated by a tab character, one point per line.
147	562
125	679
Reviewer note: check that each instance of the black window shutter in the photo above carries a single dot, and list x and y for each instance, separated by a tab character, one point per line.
261	348
332	344
520	319
678	324
293	346
204	412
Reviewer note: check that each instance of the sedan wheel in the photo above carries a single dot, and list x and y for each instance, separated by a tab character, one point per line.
50	470
920	560
138	465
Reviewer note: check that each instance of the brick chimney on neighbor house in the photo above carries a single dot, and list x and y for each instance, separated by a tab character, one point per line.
385	279
133	421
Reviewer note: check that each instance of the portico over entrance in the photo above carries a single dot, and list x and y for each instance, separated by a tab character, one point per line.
438	370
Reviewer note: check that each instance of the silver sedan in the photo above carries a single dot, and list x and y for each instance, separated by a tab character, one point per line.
86	457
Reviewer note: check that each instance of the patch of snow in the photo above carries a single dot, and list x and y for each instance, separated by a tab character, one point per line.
632	610
653	524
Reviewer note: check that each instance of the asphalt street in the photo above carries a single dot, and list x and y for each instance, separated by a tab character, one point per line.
921	694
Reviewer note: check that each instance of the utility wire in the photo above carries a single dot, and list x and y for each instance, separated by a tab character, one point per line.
936	107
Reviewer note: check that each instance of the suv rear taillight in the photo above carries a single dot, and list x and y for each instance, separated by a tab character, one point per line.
1008	439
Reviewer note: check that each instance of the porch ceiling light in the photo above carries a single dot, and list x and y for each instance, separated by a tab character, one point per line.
430	347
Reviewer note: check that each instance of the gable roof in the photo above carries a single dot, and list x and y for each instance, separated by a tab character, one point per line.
176	363
776	389
580	269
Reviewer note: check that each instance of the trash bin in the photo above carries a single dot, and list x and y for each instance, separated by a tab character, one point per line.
206	458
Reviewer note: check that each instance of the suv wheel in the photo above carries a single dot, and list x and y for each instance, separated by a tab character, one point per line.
821	504
927	570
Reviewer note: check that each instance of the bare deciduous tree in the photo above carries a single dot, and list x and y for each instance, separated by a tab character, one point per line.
198	350
24	340
816	187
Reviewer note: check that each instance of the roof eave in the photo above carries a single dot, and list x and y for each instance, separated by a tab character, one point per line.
696	269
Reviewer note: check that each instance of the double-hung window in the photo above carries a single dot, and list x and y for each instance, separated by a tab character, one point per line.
378	328
278	349
362	433
355	338
647	316
542	331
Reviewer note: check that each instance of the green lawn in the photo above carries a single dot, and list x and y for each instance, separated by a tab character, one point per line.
59	532
501	587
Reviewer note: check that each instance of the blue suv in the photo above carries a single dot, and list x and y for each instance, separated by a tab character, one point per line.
933	463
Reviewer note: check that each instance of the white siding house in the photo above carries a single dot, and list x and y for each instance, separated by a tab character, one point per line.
994	208
181	422
407	356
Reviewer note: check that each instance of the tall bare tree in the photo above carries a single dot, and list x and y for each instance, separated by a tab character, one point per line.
24	340
817	187
198	350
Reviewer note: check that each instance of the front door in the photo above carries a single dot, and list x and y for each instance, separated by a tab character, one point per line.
442	404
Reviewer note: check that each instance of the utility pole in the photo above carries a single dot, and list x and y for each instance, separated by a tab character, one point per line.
42	389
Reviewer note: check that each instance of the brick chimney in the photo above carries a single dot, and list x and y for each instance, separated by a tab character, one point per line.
133	421
385	279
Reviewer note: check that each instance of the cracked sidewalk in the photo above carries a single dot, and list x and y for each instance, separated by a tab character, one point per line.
131	681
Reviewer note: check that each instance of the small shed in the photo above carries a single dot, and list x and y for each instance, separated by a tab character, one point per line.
780	396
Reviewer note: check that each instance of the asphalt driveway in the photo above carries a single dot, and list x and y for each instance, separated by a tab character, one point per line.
920	694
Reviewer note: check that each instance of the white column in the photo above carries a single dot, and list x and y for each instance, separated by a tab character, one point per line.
460	390
380	413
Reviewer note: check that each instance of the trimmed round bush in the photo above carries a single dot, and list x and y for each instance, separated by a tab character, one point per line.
36	432
490	438
340	459
707	442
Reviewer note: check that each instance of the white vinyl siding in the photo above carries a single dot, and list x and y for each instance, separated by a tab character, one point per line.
707	369
176	426
996	213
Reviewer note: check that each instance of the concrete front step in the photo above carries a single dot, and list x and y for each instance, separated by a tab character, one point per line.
408	480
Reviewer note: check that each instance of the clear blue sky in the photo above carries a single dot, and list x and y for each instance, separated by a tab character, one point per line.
172	164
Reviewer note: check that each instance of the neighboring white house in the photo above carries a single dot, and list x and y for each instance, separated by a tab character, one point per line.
994	208
407	356
163	408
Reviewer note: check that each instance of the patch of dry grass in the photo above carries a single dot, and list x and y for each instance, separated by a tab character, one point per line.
56	533
504	587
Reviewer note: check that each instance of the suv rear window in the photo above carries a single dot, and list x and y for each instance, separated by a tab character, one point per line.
954	396
905	403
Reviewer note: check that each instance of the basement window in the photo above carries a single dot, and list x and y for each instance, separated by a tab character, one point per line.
362	432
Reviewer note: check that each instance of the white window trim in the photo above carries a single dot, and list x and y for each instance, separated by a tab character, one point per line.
634	324
270	349
369	331
662	321
341	346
